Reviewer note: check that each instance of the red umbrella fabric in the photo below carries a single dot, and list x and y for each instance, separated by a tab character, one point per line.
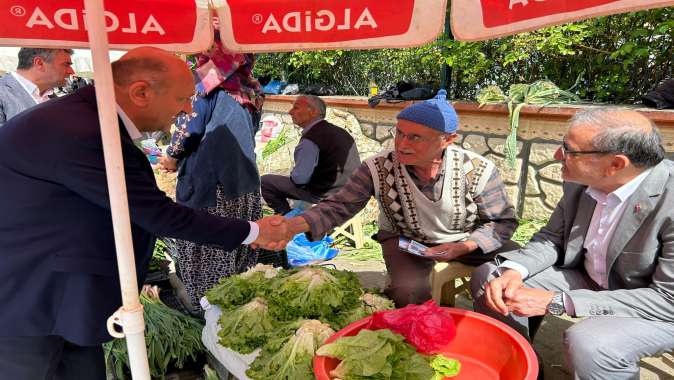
245	25
474	20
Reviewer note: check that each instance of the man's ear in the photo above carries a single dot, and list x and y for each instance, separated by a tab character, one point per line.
140	93
38	62
448	139
618	163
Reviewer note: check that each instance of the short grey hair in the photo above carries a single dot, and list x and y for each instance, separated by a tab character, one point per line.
316	103
149	69
27	55
623	131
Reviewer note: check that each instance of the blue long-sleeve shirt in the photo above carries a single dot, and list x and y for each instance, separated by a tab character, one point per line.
306	158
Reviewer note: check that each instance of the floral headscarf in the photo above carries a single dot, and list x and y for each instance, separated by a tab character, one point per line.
233	72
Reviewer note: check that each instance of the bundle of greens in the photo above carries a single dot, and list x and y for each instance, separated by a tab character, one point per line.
314	293
290	356
234	291
377	355
369	303
541	93
172	338
246	328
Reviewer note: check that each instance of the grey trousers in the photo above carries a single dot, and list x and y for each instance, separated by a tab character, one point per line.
277	189
605	347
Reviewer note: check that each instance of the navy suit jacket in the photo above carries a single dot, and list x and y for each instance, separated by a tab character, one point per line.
58	272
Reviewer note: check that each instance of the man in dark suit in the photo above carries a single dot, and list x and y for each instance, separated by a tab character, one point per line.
325	158
36	75
606	255
57	252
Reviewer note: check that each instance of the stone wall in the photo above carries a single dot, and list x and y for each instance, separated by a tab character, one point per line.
534	183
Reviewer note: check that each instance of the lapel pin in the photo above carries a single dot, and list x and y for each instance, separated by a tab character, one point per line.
637	208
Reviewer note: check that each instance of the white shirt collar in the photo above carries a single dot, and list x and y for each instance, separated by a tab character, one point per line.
31	88
134	133
624	191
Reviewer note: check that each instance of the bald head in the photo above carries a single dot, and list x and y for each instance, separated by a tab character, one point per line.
153	87
623	131
153	65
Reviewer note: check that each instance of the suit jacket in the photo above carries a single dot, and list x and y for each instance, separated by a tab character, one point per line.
640	257
57	252
13	98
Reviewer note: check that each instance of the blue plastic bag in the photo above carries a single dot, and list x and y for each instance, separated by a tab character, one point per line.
301	251
274	87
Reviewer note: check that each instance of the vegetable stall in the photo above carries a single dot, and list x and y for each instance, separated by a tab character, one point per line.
250	26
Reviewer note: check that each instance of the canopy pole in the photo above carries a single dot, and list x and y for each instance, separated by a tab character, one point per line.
130	315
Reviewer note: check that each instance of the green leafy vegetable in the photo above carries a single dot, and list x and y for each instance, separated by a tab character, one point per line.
378	355
314	293
157	256
369	303
445	367
234	291
244	329
290	357
171	338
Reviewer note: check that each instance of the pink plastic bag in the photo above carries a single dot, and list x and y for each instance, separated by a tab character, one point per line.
427	327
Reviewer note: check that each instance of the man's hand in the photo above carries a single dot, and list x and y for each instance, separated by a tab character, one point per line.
528	302
450	251
273	233
168	164
296	225
501	289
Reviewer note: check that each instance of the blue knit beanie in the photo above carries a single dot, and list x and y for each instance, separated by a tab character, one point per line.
433	113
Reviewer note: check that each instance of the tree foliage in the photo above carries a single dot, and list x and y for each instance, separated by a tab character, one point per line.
608	59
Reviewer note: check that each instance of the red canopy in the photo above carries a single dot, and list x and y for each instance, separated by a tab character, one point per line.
487	19
246	25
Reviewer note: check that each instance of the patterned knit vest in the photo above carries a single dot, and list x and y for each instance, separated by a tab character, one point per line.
405	210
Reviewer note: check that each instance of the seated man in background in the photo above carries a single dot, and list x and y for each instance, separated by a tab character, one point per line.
324	159
607	252
428	191
38	72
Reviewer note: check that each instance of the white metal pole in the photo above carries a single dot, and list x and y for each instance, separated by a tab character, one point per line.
130	316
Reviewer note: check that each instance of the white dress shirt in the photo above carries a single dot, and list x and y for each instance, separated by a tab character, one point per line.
32	89
135	135
610	207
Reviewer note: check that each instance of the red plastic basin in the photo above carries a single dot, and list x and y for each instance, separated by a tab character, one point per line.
488	349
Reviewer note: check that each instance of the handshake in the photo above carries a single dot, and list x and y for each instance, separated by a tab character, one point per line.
276	231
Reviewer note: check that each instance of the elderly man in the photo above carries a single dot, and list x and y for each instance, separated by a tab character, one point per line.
607	253
428	191
324	159
57	251
38	72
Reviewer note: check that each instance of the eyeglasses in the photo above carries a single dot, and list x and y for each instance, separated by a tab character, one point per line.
412	138
566	151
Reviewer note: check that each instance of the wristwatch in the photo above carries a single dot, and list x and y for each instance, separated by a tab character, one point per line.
556	305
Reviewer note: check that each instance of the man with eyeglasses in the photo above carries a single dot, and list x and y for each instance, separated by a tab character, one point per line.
429	191
606	255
